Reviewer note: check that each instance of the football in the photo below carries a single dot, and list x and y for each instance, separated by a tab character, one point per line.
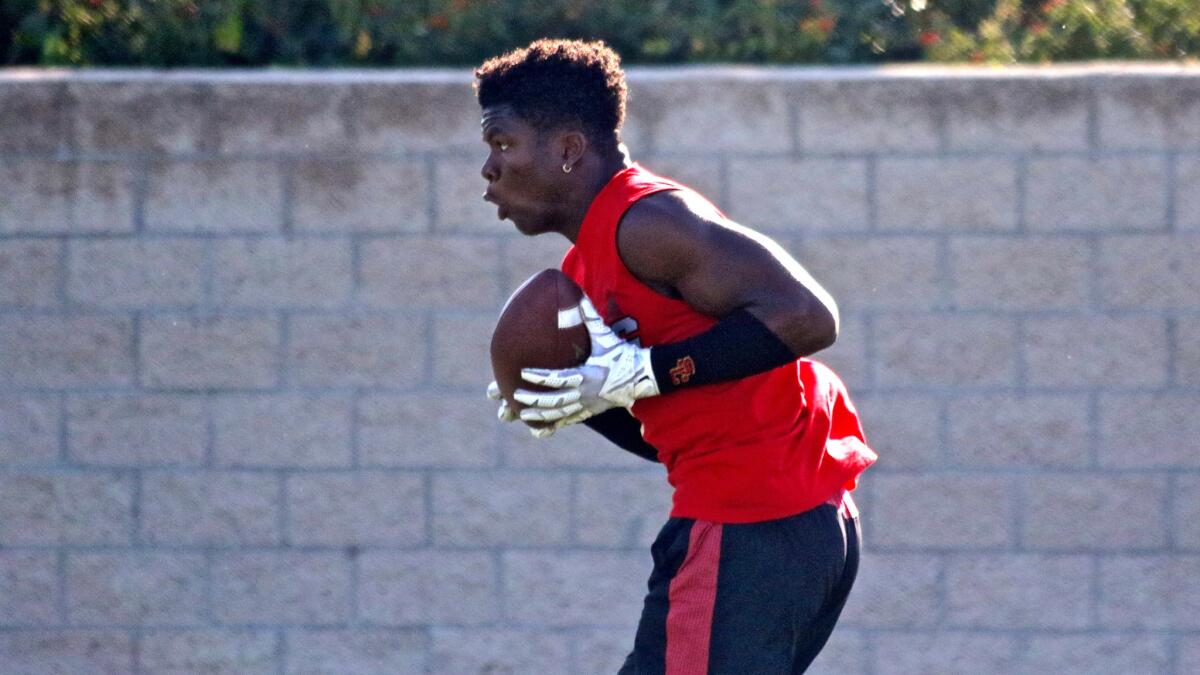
539	327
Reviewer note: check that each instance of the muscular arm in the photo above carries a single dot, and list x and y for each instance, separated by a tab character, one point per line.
682	247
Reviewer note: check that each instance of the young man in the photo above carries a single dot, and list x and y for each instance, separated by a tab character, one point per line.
698	327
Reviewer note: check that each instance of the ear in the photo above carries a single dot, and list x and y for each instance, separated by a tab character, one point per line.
572	145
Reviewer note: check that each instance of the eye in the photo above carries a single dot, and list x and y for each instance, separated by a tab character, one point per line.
503	145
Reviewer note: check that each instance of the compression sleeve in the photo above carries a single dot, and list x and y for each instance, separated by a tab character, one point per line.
622	428
738	346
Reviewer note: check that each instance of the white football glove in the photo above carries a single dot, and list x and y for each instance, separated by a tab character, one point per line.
617	373
505	413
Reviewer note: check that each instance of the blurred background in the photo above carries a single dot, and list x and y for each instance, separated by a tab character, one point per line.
321	33
247	285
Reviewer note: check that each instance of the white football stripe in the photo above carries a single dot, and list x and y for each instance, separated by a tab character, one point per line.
569	318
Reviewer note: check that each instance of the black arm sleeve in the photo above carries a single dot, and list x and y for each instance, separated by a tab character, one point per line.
622	428
738	346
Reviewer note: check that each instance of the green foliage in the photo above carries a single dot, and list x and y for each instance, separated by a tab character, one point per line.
170	33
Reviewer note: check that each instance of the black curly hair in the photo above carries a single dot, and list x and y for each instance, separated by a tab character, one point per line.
556	83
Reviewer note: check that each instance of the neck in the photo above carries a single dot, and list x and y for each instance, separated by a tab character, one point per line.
597	173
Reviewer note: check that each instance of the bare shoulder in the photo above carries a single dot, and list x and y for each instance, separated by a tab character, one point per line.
661	234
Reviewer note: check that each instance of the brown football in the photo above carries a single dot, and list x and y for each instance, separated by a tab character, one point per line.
539	327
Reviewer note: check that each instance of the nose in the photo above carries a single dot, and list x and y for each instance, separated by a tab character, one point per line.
489	171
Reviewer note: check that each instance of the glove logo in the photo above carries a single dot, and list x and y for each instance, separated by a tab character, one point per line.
683	371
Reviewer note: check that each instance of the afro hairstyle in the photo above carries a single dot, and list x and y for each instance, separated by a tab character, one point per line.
559	83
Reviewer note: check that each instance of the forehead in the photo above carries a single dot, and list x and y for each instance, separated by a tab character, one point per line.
502	117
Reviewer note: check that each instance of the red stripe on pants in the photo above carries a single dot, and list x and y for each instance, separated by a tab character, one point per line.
691	597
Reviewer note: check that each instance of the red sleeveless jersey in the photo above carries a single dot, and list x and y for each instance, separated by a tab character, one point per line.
760	448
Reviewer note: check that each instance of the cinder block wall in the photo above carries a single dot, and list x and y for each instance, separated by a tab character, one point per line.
243	330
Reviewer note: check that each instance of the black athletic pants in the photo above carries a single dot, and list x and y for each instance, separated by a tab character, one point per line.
745	599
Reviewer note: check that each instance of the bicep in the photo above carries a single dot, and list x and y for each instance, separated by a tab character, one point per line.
713	264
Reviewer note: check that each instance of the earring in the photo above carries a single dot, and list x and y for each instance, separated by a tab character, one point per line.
567	168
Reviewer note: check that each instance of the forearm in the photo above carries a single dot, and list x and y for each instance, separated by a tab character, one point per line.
623	429
736	347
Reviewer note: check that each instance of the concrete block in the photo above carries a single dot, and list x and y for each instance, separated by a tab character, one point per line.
357	652
500	650
902	428
427	430
896	591
145	116
144	430
136	273
702	174
848	356
288	587
1096	351
864	116
786	195
428	587
963	195
1016	114
878	273
1161	437
356	351
210	509
30	583
1150	592
1010	591
29	429
414	116
442	272
209	352
559	589
1020	431
280	117
360	196
944	652
210	651
1010	274
363	508
38	509
621	509
460	205
1095	512
1099	194
928	511
45	196
1186	513
1187	200
37	116
602	650
31	272
278	273
462	350
1148	112
215	196
1145	654
944	350
103	652
135	588
66	351
1150	272
500	509
718	113
283	431
1187	351
526	256
1189	654
574	446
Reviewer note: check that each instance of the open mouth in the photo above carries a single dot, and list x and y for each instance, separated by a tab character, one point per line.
501	212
